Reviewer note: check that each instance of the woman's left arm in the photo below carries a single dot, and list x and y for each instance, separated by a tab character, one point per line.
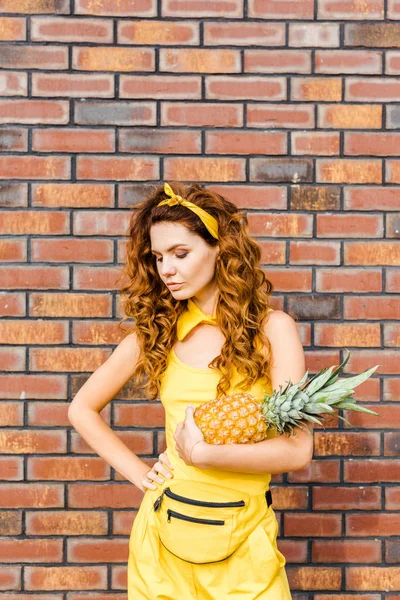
280	454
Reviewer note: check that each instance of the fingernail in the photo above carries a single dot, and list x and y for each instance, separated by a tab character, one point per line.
169	476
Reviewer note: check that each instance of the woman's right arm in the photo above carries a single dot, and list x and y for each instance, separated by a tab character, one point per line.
94	395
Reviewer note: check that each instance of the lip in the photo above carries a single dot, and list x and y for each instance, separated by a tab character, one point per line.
174	286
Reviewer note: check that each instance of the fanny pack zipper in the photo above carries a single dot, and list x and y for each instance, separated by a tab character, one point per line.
172	513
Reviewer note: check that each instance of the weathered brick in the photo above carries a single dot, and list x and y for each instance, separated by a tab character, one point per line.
291	279
117	168
33	57
277	61
12	305
316	89
111	58
166	141
100	278
193	60
34	111
49	522
34	7
165	87
257	88
370	198
293	170
72	86
205	169
311	35
371	307
374	35
12	250
70	305
341	170
342	225
12	358
34	167
315	307
392	281
115	113
73	140
315	143
73	195
280	225
34	277
12	29
11	416
351	10
346	443
28	442
343	334
13	140
393	63
254	196
13	84
391	447
101	223
168	33
304	197
293	116
203	8
66	578
373	253
34	386
276	9
356	116
372	144
393	226
375	89
314	253
392	171
67	359
393	117
348	280
201	114
72	250
240	33
315	578
132	193
33	332
360	62
391	335
246	142
71	30
118	8
347	551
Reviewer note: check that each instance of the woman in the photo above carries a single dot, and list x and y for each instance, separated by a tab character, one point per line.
202	329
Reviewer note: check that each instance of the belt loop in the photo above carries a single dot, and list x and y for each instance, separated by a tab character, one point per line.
268	497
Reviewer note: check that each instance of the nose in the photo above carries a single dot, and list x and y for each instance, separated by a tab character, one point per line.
167	269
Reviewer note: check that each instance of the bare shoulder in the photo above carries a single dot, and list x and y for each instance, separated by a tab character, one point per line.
279	324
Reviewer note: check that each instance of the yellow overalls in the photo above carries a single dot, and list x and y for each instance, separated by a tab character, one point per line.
257	569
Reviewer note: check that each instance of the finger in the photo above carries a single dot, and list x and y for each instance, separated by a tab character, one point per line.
166	460
147	484
153	476
189	412
162	469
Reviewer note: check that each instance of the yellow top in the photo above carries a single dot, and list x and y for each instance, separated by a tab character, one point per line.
182	384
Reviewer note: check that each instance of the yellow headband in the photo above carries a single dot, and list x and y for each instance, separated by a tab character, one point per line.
209	221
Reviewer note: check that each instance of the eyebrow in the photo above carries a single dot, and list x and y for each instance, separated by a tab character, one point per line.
170	248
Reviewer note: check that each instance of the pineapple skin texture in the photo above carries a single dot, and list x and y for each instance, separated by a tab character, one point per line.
234	419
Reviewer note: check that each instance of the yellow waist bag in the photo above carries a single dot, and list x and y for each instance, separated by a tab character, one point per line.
205	523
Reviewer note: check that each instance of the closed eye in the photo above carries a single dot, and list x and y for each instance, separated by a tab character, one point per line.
177	256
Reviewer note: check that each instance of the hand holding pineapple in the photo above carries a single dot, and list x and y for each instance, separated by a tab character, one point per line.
241	419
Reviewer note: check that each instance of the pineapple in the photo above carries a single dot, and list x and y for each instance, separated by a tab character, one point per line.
242	419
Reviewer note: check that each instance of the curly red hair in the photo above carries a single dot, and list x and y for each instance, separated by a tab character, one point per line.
243	290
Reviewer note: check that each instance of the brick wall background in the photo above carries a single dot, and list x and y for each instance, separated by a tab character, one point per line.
291	110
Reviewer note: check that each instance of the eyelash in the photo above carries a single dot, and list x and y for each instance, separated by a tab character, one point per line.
177	256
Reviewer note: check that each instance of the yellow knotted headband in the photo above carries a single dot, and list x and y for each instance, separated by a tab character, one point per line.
209	221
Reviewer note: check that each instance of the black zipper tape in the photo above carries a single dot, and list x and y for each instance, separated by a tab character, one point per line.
172	513
174	496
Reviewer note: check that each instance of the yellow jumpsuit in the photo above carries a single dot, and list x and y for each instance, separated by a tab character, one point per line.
257	569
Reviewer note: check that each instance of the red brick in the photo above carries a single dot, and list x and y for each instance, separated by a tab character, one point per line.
276	9
33	57
97	550
165	87
71	30
70	305
205	169
71	250
382	524
341	170
117	168
34	222
243	34
313	143
55	414
12	470
281	169
203	8
376	35
32	442
253	196
346	443
35	7
12	29
277	61
34	386
393	13
12	305
375	144
323	35
13	139
65	578
80	195
12	250
168	33
317	471
100	278
13	84
372	89
280	225
118	8
72	86
139	415
245	142
351	10
348	61
373	253
370	198
12	359
343	225
346	334
31	550
393	63
73	140
193	60
101	223
314	525
316	89
34	277
108	58
393	171
392	498
95	332
392	335
314	253
156	141
356	116
201	114
34	167
392	281
347	551
67	468
372	307
34	111
33	332
360	360
317	578
291	116
115	113
391	448
60	523
257	88
348	280
107	495
10	578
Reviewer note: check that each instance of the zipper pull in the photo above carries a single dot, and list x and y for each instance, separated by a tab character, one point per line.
157	503
169	517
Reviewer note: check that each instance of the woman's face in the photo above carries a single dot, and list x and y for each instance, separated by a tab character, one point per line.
183	257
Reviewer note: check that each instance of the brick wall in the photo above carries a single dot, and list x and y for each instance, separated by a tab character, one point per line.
291	110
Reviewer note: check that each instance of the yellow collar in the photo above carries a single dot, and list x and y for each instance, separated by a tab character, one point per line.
191	317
